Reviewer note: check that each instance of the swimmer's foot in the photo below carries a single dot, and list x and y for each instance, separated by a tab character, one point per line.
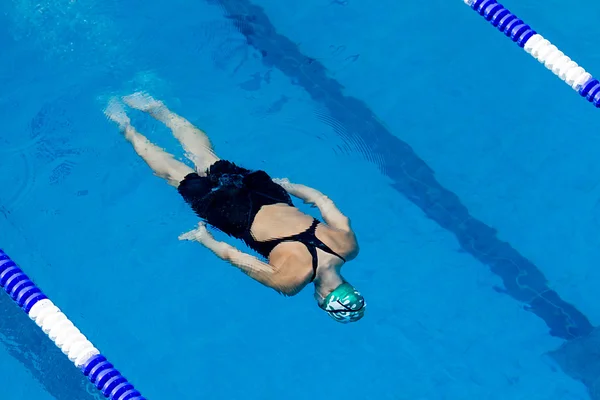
116	113
144	102
196	144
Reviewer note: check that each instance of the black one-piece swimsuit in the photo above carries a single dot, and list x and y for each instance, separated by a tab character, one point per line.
229	197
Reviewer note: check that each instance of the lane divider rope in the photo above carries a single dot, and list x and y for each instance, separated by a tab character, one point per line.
55	324
539	47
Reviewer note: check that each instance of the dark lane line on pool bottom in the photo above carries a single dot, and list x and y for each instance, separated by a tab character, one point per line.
414	179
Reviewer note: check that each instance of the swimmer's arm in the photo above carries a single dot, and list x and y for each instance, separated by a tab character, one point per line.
331	214
260	271
250	265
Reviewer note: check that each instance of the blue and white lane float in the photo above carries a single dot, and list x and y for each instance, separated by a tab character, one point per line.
63	333
540	48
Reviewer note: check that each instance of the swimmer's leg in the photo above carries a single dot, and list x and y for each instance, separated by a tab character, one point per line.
162	163
195	142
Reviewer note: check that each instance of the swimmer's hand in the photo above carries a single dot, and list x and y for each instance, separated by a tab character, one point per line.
200	234
308	195
283	182
205	238
332	216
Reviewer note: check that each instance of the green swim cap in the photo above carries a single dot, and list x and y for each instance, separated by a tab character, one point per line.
345	304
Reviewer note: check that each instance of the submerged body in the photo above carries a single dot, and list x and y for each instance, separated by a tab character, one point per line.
251	206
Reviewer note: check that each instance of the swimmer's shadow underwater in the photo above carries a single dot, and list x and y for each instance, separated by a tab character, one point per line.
251	206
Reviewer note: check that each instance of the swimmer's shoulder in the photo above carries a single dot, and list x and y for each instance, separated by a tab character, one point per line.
343	242
293	267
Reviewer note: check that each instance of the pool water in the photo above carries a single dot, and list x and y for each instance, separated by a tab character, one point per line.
470	173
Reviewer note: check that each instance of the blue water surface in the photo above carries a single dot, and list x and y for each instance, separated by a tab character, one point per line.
471	175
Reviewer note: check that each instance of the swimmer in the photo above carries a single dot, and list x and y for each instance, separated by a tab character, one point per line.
249	205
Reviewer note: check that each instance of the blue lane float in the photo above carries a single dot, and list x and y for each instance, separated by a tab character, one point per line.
64	333
540	48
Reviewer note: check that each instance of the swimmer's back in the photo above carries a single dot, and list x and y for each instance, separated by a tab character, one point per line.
280	221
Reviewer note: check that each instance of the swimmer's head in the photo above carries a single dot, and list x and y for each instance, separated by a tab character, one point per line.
345	304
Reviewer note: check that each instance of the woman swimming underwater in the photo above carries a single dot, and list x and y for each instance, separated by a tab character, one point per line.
251	206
